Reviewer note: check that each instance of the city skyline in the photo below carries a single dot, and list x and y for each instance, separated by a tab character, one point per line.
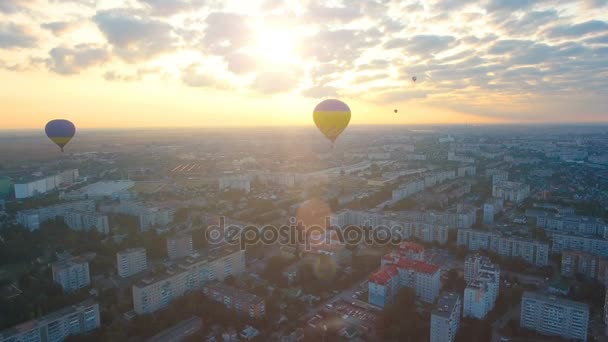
190	63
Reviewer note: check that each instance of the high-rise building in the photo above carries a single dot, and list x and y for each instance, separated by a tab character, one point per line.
553	316
483	283
131	261
236	299
56	326
192	273
589	265
401	272
179	246
445	318
71	274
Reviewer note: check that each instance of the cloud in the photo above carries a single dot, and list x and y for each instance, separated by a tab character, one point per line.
170	7
508	5
194	77
138	75
134	37
58	27
577	30
16	36
326	14
272	82
225	33
424	45
67	61
342	45
240	63
13	6
319	92
399	95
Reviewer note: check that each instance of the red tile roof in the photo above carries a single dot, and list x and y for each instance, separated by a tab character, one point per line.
412	247
383	275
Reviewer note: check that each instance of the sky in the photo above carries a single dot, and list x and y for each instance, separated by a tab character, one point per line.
207	63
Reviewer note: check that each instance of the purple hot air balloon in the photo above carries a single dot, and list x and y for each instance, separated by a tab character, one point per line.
60	131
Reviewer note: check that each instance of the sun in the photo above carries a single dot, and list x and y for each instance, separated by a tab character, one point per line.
275	47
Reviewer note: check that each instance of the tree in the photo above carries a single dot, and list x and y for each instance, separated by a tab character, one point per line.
399	320
454	282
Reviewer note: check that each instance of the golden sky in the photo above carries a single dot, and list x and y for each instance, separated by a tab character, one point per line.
155	63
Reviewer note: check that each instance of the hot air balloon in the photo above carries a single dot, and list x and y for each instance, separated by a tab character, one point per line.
414	78
60	132
395	111
331	117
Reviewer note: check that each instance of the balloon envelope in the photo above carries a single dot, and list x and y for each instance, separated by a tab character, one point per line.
395	111
331	117
414	78
60	132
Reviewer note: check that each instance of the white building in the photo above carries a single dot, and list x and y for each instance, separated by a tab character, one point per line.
553	316
84	220
32	218
131	261
532	251
78	319
146	216
46	184
116	189
242	183
179	246
445	318
482	291
71	274
591	245
511	191
191	273
488	213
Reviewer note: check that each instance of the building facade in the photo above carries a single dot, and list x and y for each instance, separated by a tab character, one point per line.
44	185
56	326
553	316
131	261
191	273
445	318
236	299
532	251
71	274
179	246
83	220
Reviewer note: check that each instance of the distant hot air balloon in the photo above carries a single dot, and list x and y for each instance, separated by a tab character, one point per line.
414	78
60	132
331	117
395	111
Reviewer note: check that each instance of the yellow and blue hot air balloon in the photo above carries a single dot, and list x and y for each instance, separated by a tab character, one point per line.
60	131
331	117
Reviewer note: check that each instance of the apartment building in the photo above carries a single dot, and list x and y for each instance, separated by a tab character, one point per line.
511	191
33	218
445	318
423	277
43	185
586	244
532	251
236	299
573	224
56	326
179	246
553	316
85	220
71	274
481	293
191	273
131	261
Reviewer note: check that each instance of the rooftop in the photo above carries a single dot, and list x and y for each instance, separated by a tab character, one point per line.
445	304
179	331
556	300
